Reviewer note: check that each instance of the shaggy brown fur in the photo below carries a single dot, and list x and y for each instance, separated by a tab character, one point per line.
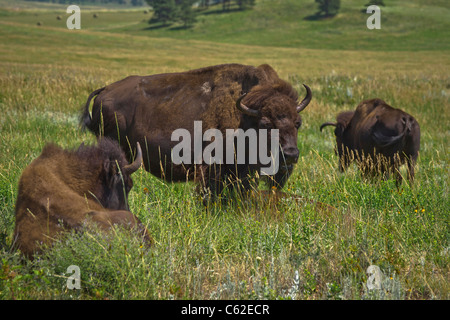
379	137
147	109
63	190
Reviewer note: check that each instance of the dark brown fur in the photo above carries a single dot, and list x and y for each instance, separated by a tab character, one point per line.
379	137
147	109
63	190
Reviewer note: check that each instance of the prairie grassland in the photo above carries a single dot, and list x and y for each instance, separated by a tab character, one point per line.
254	249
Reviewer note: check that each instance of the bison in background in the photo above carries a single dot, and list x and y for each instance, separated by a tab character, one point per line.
148	109
379	137
62	190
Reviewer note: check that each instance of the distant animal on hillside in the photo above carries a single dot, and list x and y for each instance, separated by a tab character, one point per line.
62	190
148	109
379	137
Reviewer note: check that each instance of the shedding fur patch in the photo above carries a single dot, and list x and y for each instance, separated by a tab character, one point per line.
206	88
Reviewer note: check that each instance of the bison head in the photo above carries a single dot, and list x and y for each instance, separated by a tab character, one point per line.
276	107
113	183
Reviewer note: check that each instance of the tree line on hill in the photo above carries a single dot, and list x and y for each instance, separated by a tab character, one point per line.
170	11
330	8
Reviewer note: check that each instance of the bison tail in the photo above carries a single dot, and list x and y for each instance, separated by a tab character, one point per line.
86	116
327	124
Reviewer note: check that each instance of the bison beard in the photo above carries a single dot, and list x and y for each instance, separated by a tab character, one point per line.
62	190
380	138
148	109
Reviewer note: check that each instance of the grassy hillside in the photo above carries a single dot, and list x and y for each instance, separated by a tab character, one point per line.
254	249
405	25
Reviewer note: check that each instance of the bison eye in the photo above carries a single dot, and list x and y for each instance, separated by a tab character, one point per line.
124	183
129	186
298	124
265	124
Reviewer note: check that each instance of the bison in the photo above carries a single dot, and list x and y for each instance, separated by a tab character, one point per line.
379	137
148	110
68	189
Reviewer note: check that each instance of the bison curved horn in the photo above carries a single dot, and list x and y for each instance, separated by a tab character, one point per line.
302	105
327	124
132	167
244	109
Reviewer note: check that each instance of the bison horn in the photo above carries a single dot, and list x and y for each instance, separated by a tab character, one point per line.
306	100
244	109
327	124
132	167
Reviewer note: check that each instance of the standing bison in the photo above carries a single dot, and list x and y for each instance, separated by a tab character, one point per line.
380	138
63	190
149	109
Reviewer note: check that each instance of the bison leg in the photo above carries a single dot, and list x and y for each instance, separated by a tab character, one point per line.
107	219
345	157
237	181
280	178
211	182
226	182
398	177
411	161
344	161
397	162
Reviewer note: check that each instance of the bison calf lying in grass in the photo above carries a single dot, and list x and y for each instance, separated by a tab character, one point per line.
62	190
380	138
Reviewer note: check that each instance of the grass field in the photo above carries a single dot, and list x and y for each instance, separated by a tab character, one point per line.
251	249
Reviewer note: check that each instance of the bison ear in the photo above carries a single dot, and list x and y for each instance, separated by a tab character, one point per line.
339	131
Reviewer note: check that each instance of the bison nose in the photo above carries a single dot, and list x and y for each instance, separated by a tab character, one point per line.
291	155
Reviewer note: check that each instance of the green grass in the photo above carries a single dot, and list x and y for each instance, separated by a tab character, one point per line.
249	249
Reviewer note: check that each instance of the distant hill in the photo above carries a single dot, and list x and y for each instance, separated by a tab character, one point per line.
96	2
405	25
